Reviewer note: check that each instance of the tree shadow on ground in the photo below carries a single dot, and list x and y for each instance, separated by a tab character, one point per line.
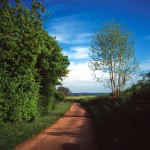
70	146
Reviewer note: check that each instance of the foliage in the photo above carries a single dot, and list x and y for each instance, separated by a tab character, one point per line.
65	90
2	114
31	62
19	50
122	124
59	96
52	66
141	90
112	51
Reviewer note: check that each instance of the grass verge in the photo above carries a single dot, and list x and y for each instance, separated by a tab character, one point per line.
13	134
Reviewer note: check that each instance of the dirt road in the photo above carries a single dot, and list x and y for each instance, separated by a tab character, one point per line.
71	132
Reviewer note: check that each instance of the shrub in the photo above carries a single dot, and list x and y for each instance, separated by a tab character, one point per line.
141	90
59	96
20	96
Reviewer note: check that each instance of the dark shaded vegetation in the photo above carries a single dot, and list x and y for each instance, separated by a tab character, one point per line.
122	124
119	125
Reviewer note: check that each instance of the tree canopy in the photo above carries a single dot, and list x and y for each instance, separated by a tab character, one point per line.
112	56
64	90
31	62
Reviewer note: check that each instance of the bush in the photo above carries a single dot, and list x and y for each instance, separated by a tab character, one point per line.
141	90
120	124
1	111
20	96
59	96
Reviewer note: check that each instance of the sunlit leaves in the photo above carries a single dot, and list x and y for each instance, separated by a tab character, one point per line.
112	51
31	62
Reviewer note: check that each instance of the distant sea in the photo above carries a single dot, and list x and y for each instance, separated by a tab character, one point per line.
87	94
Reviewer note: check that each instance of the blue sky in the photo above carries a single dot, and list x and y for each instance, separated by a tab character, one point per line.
73	22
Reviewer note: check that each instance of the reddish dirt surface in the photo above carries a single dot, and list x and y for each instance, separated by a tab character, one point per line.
72	132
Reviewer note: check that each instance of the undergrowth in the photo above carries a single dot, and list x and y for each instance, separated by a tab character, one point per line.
120	125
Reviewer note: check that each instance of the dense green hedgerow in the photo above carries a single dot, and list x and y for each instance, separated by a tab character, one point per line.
31	63
121	124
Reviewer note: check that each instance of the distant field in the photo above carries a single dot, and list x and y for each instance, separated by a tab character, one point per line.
87	94
79	97
84	96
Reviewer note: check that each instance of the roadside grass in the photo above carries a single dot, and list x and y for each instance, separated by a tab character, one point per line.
13	134
119	125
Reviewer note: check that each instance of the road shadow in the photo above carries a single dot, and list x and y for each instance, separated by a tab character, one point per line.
70	146
71	134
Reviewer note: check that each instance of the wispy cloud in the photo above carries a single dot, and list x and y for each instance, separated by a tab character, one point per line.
78	52
145	65
70	29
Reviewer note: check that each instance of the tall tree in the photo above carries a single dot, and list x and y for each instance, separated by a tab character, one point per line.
31	61
19	47
112	52
64	90
52	67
